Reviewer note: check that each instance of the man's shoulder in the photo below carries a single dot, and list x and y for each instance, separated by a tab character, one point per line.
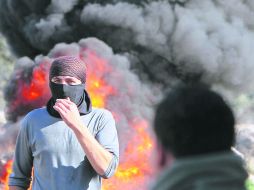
101	117
100	110
33	117
103	112
37	113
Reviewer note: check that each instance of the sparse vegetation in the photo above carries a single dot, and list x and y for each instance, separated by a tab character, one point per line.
249	184
6	67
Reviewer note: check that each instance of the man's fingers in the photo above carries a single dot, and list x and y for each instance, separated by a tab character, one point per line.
64	102
60	108
69	100
60	111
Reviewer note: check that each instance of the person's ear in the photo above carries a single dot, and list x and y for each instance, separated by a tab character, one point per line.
165	157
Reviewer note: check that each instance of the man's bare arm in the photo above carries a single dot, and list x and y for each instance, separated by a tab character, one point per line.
98	156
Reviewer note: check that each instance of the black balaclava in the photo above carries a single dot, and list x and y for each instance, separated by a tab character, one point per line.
74	67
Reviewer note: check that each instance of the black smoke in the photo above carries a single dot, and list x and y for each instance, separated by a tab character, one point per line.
34	27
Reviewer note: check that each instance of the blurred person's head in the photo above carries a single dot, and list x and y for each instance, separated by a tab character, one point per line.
193	120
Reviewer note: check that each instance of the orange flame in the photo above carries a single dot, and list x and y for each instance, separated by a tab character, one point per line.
133	170
34	89
5	174
97	87
137	166
31	93
38	86
4	177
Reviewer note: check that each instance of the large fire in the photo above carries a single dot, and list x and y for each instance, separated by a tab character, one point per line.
5	174
136	165
132	173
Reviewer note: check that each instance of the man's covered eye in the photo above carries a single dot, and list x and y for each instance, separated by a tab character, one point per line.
73	83
56	81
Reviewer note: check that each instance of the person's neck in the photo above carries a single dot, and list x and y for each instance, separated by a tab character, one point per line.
225	166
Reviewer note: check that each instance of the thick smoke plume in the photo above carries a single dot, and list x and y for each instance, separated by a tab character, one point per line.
29	89
165	40
110	83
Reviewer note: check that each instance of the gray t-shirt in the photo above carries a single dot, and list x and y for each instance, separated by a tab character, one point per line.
49	146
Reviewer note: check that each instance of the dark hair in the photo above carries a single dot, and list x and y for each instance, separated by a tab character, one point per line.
194	120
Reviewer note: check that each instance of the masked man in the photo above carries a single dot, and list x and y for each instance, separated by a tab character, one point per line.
69	144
